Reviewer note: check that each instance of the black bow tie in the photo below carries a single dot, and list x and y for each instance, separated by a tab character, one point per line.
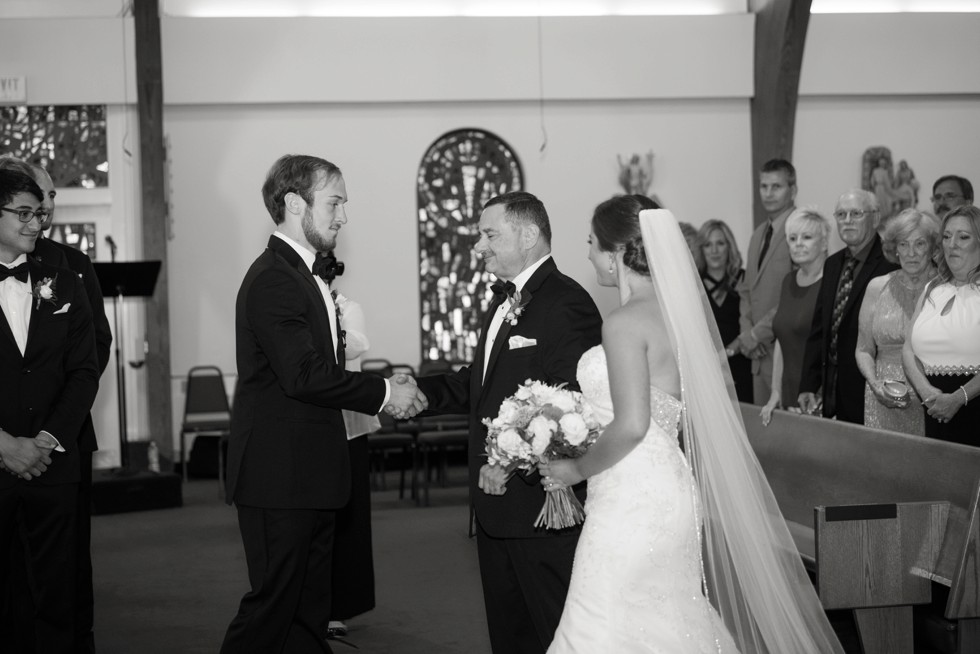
326	266
17	272
503	289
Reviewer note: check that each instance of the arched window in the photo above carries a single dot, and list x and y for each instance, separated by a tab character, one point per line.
460	171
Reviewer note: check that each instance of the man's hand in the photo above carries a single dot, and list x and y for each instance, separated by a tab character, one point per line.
406	400
493	479
810	403
23	457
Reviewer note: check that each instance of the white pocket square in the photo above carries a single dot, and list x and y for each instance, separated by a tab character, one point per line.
63	309
517	342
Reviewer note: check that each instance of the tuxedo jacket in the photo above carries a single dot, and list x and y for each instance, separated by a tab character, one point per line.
288	446
65	256
761	285
52	386
850	381
564	321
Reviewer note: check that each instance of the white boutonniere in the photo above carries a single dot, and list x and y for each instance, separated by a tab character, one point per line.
44	290
517	305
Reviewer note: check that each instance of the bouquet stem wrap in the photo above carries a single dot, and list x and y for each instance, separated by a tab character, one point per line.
561	510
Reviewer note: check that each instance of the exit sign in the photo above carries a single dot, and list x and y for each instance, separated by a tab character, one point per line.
13	90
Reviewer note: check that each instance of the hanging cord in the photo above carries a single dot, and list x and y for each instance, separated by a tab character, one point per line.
544	130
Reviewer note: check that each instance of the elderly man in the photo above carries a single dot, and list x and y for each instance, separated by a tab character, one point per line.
950	192
829	366
767	264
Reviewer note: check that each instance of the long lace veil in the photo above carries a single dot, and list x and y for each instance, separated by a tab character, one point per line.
753	573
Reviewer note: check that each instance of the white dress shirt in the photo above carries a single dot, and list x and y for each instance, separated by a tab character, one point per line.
498	317
15	300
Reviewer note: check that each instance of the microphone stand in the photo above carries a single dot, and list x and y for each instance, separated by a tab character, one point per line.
120	368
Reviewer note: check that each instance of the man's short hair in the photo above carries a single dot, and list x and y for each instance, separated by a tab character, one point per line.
301	174
523	207
10	162
966	188
780	166
14	182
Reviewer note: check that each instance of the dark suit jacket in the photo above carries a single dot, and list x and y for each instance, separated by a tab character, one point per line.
564	320
850	381
52	386
288	446
65	256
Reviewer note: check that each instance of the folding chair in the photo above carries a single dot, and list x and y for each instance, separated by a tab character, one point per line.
206	412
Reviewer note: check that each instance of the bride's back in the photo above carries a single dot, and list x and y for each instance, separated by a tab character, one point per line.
642	316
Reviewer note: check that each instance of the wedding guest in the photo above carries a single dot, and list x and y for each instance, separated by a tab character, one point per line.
48	380
950	192
942	353
767	265
830	378
288	458
539	324
808	236
912	239
353	556
721	271
65	256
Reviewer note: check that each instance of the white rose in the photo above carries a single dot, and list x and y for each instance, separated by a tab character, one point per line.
574	428
541	428
508	413
45	291
510	442
563	401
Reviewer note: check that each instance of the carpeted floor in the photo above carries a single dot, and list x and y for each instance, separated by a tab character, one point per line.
169	581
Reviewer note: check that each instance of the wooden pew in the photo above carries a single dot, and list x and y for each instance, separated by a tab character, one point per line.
878	516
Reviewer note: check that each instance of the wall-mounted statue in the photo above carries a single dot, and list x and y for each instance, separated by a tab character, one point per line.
636	175
895	191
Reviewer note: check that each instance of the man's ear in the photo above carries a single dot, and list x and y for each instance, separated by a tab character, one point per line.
293	203
530	233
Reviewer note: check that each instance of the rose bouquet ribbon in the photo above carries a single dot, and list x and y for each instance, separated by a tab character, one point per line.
539	423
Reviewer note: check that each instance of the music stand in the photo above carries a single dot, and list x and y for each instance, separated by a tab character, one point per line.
119	280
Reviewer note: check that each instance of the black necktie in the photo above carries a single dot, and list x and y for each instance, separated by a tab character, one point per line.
765	244
840	301
321	267
17	272
505	289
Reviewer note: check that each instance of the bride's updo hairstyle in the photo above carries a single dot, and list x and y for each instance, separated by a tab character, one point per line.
616	225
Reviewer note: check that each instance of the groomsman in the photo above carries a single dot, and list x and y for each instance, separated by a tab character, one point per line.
288	464
64	256
552	321
48	380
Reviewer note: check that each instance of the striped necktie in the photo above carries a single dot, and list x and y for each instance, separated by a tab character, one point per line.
843	294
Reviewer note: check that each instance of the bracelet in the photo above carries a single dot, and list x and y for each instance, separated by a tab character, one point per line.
966	398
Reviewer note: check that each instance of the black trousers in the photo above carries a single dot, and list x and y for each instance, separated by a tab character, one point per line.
353	556
42	519
525	581
289	555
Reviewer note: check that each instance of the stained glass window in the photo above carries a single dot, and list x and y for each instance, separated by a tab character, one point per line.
460	171
68	141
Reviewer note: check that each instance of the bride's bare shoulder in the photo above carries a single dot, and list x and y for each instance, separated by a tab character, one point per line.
641	317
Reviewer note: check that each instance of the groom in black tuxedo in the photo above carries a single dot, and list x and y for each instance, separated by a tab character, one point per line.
288	465
538	325
49	377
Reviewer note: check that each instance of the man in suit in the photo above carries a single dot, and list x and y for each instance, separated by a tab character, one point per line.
288	464
830	374
766	266
48	380
64	256
525	571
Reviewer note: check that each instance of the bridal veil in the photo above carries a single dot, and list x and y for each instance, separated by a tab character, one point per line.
753	573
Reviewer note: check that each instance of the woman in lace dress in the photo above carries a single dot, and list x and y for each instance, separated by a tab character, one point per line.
911	239
942	352
639	583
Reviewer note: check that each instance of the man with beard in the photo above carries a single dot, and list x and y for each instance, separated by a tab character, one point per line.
288	463
950	192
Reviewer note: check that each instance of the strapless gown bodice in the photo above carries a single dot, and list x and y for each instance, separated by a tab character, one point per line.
636	580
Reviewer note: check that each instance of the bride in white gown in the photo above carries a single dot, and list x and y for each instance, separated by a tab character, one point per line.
643	581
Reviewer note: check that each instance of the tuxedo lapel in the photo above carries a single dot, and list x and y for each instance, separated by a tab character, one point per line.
5	329
284	250
476	379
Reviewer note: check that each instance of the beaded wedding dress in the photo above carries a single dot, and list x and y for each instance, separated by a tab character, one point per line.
636	581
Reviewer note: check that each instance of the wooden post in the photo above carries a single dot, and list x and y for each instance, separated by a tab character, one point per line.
780	33
149	85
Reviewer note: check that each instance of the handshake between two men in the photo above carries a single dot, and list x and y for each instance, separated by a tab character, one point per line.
406	400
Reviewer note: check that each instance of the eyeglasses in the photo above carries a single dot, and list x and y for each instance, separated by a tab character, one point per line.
856	214
918	247
27	215
943	197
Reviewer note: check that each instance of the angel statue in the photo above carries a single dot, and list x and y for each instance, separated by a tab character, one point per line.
636	175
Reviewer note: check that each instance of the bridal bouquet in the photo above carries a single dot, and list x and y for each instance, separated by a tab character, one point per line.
539	423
